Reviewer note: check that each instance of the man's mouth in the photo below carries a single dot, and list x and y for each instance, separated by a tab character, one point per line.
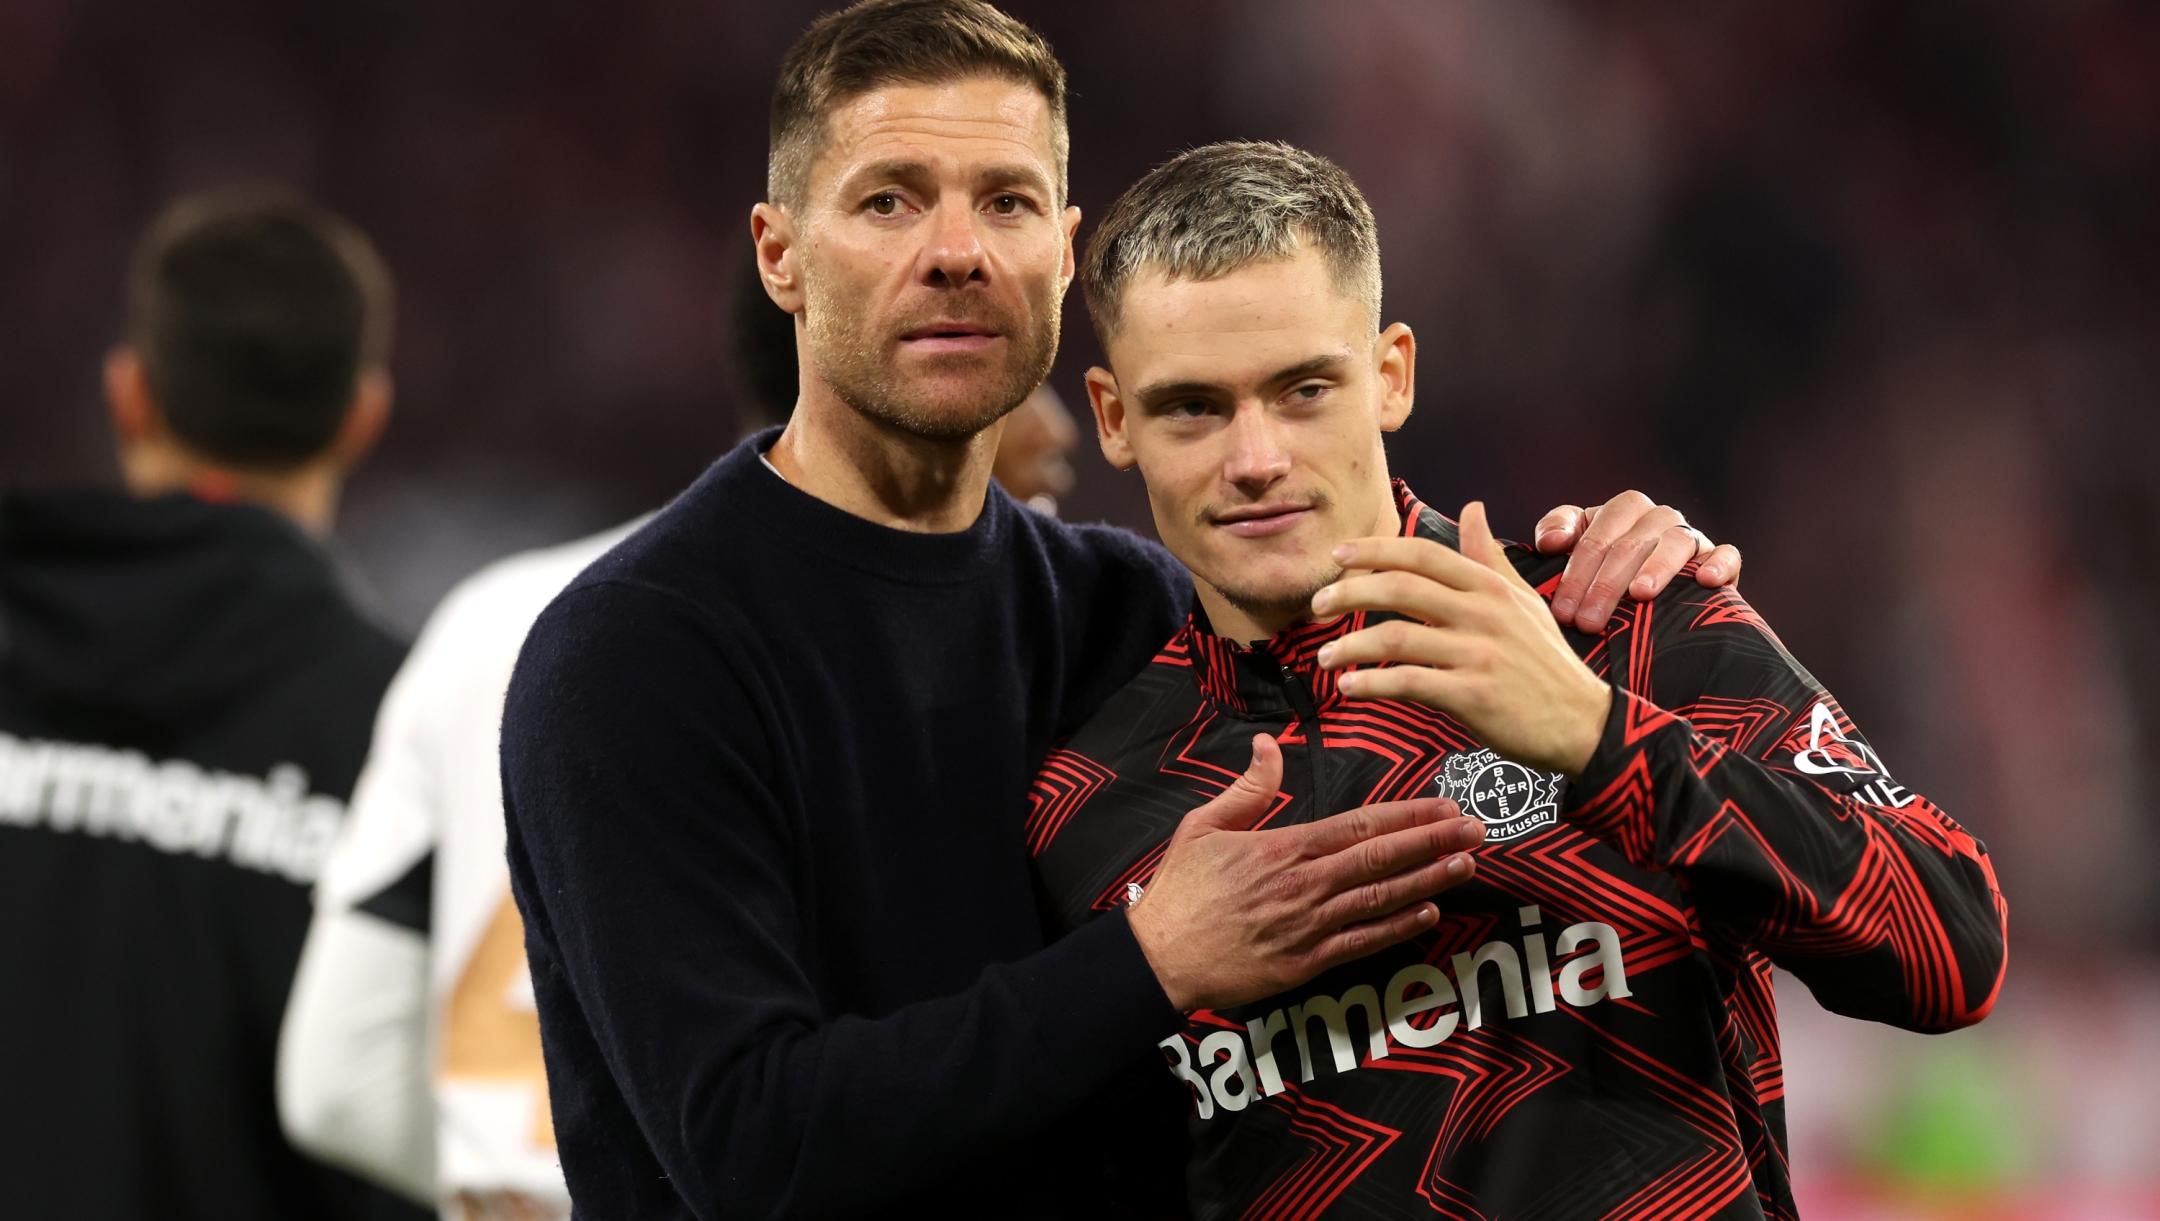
1261	521
940	338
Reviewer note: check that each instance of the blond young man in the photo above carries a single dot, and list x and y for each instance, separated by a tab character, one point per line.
1667	808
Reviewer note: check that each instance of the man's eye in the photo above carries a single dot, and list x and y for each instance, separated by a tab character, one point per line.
1190	409
1308	393
1006	205
885	205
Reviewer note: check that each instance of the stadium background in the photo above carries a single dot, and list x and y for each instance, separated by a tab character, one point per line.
1870	289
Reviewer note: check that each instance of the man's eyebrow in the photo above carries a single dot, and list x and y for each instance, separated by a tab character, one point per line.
891	171
1157	392
915	173
1018	174
1308	368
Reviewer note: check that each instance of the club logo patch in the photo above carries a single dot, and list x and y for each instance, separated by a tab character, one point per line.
1510	799
1826	751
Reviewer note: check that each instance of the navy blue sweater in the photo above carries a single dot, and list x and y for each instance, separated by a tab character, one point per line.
766	767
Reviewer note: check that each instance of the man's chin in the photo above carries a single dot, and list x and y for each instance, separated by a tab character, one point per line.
936	417
1286	599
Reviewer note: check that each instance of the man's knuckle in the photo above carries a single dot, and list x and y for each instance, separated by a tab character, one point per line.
1372	857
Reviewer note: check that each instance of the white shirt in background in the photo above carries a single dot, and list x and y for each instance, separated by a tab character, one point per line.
416	1061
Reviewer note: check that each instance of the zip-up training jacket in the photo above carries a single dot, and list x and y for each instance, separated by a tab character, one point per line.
185	697
1590	1030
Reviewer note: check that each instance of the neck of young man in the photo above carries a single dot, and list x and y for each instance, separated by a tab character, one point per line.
1254	623
306	494
880	472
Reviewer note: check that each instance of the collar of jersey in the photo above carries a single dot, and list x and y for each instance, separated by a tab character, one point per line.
1249	678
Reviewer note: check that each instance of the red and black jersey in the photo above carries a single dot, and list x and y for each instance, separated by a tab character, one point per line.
1590	1030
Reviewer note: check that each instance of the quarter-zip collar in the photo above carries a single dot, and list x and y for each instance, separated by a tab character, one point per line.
1252	679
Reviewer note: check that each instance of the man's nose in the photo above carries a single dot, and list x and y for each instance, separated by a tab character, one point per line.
1257	454
955	253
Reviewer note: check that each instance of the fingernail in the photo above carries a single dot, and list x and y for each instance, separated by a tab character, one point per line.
1327	654
1550	538
1427	914
1564	607
1477	831
1348	683
1321	599
1458	867
1343	551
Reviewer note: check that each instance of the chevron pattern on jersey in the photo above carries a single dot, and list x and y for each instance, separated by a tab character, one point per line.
1339	1148
1065	783
1615	956
1489	1077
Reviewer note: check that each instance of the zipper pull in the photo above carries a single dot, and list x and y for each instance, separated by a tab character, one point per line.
1308	713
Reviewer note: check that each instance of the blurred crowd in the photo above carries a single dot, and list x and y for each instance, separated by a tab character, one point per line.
1872	290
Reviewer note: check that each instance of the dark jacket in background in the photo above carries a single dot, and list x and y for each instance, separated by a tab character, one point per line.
186	694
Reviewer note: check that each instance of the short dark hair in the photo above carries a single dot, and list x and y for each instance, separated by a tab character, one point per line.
882	42
254	312
1223	207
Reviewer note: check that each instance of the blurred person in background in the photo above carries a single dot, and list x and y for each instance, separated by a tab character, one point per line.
1031	460
764	764
411	1051
1676	804
186	688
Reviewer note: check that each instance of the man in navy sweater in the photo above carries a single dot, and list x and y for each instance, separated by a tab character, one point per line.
765	764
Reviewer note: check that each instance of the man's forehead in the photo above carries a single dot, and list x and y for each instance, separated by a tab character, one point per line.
977	118
1236	328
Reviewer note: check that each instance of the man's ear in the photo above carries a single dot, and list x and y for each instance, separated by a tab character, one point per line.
127	396
773	237
1110	419
365	420
1072	226
1395	353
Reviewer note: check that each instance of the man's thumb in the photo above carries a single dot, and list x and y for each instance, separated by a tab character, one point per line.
1479	544
1250	797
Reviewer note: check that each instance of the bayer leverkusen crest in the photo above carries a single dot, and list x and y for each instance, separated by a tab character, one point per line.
1510	799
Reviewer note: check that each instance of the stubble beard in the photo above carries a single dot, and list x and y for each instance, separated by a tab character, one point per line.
850	352
1276	604
1272	605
